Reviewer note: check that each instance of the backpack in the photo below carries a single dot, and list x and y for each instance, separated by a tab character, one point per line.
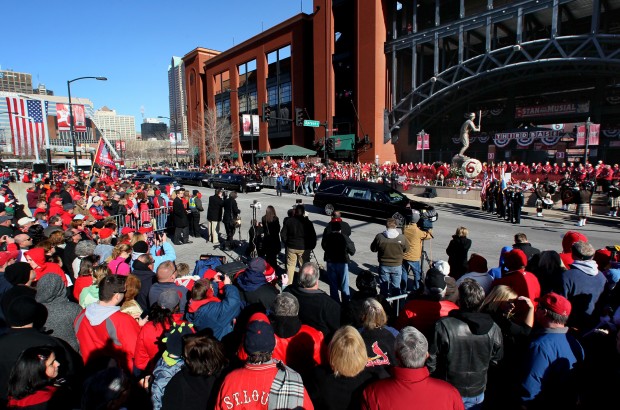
202	265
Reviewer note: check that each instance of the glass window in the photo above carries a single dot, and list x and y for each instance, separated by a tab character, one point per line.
285	93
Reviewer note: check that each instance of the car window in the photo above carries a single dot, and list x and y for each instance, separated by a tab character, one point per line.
334	189
358	193
395	196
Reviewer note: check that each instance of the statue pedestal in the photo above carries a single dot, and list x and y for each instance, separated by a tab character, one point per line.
470	167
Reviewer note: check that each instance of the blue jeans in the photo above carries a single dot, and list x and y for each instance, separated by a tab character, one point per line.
414	266
389	280
473	403
338	277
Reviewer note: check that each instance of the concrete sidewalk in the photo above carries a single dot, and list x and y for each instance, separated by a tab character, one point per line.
555	213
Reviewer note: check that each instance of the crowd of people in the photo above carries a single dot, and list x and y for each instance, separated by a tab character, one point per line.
97	313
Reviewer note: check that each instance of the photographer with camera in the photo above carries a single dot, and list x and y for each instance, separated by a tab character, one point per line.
411	258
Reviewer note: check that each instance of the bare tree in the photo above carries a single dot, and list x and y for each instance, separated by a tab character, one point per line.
217	134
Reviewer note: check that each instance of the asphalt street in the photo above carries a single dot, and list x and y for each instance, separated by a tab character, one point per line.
487	232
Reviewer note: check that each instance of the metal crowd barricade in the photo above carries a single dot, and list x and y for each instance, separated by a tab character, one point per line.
158	218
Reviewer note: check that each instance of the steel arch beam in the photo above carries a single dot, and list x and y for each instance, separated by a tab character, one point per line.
594	53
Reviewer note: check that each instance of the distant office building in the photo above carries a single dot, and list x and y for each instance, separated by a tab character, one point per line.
151	129
176	96
115	126
12	81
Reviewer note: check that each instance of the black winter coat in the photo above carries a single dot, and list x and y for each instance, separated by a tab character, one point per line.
337	247
179	214
215	208
293	233
231	210
457	255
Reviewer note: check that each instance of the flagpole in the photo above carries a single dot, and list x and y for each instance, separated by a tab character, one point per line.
92	167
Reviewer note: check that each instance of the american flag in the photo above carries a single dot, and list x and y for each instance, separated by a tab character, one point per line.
28	120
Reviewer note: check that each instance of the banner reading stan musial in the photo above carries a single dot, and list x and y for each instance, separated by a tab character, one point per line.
552	109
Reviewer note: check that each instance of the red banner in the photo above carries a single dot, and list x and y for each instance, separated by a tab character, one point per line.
120	145
593	135
62	114
423	142
103	156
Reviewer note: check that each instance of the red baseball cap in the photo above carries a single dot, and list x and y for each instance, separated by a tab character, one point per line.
555	303
126	230
105	233
7	256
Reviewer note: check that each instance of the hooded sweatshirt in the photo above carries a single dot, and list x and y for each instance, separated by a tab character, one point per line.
501	268
583	286
390	246
38	256
61	313
106	331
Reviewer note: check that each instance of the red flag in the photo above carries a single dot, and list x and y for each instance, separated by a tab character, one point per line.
103	157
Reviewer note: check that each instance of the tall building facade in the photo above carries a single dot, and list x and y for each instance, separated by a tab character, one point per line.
12	81
114	126
176	96
376	73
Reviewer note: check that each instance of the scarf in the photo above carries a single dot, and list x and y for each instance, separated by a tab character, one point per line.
287	389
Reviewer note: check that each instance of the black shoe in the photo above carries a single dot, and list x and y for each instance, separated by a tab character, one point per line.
177	243
185	243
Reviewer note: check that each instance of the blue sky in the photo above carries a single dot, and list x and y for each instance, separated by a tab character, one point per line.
130	42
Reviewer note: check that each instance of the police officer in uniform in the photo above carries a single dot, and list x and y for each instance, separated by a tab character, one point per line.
195	207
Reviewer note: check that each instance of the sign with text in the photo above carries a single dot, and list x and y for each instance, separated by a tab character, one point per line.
592	135
255	125
552	109
312	123
423	141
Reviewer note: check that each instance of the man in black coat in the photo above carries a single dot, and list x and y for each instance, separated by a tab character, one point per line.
316	308
180	220
523	244
231	212
299	237
214	215
338	247
142	267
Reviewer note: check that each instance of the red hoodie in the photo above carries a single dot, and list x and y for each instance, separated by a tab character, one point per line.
38	256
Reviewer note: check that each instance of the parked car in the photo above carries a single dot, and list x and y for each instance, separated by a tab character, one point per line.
367	199
140	176
190	177
233	182
160	179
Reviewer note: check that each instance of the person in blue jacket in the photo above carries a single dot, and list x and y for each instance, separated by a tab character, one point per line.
208	311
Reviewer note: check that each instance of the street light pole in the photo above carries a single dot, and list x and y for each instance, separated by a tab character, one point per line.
587	136
176	142
71	119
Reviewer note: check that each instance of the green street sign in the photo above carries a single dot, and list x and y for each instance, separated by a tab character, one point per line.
312	123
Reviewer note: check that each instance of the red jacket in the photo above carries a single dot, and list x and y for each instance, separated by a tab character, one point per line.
423	313
411	388
44	267
106	331
148	343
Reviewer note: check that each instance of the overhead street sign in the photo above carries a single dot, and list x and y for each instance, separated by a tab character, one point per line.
312	123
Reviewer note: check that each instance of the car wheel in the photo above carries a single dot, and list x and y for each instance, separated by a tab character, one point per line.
329	209
400	219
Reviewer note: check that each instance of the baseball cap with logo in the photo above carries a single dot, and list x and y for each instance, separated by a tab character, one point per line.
555	303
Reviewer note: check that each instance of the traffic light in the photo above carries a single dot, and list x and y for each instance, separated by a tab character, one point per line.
299	117
266	112
330	146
